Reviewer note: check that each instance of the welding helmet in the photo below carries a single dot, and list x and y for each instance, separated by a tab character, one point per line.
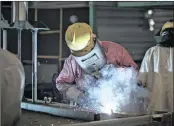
86	50
166	34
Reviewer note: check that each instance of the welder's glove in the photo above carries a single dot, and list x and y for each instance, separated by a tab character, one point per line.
69	91
73	93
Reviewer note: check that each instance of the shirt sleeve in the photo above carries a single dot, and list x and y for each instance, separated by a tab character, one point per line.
67	74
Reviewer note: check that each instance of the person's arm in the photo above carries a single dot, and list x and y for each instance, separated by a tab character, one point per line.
145	68
118	55
65	81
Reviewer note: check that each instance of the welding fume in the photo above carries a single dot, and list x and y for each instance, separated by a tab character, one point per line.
99	76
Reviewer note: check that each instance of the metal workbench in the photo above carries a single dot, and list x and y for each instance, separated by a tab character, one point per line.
29	118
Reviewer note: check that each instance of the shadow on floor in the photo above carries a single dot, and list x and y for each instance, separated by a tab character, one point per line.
29	118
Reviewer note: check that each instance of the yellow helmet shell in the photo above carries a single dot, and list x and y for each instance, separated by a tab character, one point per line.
78	36
167	25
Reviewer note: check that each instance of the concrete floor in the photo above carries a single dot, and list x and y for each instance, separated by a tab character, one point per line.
37	119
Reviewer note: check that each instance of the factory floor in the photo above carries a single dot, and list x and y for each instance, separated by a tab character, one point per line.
29	118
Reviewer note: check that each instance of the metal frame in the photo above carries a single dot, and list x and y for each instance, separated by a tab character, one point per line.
34	65
58	5
4	39
60	39
145	4
19	43
92	16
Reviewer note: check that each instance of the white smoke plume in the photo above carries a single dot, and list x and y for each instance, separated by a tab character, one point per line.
116	91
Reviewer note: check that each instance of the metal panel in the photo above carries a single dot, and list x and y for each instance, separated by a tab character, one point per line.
51	5
144	4
45	73
126	26
106	3
161	16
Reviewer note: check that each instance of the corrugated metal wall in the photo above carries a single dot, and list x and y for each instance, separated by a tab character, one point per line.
124	26
129	28
161	16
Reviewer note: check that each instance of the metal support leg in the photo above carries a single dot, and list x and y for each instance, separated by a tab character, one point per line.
91	14
19	44
34	66
5	39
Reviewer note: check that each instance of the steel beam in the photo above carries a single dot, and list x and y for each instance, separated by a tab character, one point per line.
4	39
19	43
34	65
131	121
92	16
144	4
58	111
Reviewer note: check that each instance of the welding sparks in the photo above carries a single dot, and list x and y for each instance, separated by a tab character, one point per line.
114	92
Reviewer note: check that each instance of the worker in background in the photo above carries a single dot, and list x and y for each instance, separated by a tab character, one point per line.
156	72
12	78
88	55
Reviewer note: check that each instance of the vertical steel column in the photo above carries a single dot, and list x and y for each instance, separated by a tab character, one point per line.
4	39
91	14
19	43
34	65
60	39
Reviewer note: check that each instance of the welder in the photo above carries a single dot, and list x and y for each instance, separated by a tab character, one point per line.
12	78
156	72
88	56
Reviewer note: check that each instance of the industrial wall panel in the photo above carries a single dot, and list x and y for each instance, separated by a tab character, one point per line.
45	73
161	16
58	5
48	44
127	27
26	46
50	17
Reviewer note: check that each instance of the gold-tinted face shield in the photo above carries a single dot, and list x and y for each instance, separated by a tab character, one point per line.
79	39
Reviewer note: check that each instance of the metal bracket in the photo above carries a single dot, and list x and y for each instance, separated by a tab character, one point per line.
33	25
